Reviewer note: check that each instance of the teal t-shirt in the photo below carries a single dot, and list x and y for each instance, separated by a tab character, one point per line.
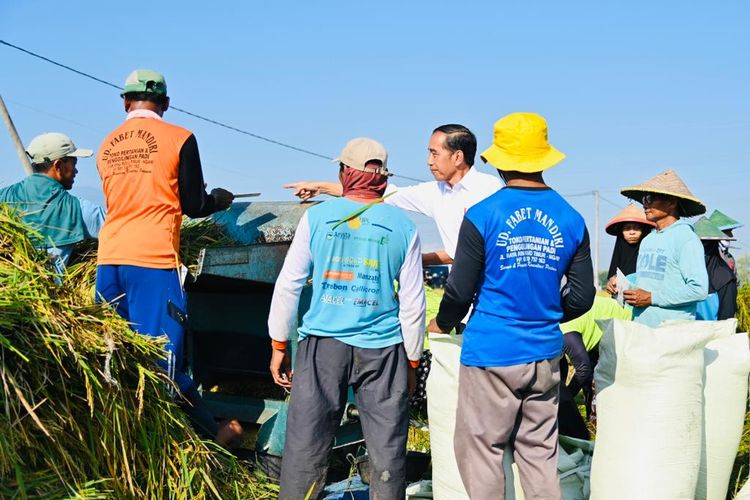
355	265
48	208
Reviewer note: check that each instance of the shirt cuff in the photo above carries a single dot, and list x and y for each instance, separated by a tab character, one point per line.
414	364
655	299
279	345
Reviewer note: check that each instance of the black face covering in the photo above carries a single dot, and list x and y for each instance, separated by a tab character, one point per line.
624	256
719	273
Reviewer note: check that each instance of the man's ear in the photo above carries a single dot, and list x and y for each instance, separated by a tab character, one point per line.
459	157
55	170
126	104
166	105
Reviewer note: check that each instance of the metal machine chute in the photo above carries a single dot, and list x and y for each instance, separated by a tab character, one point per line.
229	296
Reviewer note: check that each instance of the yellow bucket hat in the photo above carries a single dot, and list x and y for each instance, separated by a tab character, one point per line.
520	144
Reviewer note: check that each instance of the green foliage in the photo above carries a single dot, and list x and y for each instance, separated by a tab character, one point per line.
743	309
602	276
740	469
743	269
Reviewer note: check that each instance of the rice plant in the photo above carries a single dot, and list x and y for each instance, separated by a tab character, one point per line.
84	411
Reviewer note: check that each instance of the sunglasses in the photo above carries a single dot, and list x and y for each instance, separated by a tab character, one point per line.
649	198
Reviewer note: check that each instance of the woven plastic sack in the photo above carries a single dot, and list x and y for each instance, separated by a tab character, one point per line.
744	493
573	466
442	400
649	384
727	361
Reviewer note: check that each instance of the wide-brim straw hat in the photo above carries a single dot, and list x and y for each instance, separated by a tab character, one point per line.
668	183
707	230
520	145
631	213
723	221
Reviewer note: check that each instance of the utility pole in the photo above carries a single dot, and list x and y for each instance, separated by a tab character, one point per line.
14	137
596	238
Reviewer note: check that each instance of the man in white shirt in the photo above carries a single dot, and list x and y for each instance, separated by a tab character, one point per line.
457	187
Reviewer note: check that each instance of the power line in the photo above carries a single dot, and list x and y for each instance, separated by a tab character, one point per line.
616	205
184	111
591	193
52	115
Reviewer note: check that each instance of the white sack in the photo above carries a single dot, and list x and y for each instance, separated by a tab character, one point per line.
727	361
442	401
649	384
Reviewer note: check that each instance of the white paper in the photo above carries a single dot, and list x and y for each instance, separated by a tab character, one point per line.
622	285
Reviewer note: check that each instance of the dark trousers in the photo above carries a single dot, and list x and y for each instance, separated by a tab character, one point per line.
324	369
570	422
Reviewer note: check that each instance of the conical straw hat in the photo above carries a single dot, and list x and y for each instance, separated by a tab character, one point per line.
707	230
669	183
631	213
723	221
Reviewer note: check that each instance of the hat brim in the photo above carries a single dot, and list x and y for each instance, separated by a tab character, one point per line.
691	206
81	153
730	227
527	164
613	226
716	238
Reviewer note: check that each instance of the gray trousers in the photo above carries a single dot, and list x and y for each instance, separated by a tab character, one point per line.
509	404
324	369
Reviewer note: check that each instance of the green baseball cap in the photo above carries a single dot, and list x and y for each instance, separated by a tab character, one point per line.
145	80
53	146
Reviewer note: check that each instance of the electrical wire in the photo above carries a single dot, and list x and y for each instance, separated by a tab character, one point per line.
189	113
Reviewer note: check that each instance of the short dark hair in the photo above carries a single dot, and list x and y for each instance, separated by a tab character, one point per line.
459	138
146	96
42	168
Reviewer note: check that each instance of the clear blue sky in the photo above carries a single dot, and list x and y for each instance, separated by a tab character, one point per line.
629	88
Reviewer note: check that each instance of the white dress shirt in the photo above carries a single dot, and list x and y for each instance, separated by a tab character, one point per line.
445	204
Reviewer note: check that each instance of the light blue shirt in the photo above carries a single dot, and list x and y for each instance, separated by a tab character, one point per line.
93	218
672	267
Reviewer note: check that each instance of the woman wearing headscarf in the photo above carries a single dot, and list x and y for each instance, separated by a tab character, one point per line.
630	226
721	302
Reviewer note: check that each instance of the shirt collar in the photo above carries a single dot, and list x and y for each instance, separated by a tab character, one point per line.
143	113
678	222
471	181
